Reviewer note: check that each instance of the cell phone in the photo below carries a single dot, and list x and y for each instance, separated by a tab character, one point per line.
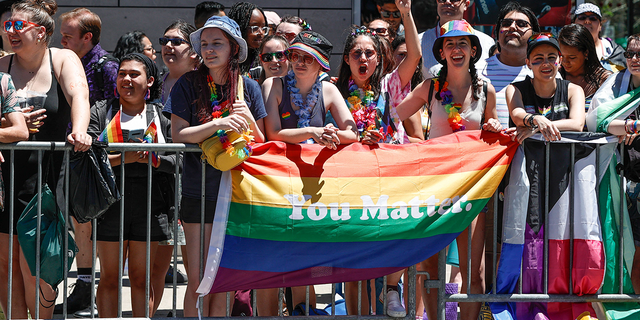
135	135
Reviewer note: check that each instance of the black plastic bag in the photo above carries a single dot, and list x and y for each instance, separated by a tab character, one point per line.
92	183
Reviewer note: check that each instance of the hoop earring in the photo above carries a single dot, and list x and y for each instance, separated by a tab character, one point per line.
148	95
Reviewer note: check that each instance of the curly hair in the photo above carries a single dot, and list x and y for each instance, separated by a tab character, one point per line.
40	12
241	13
579	37
129	42
344	75
155	91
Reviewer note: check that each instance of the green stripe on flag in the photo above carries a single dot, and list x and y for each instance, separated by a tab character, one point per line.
611	110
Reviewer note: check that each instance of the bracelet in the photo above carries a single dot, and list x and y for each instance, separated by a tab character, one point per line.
626	126
635	126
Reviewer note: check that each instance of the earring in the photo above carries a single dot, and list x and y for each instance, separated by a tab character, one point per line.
115	93
39	40
146	97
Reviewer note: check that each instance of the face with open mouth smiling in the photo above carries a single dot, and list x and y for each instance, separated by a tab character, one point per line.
544	61
362	59
457	51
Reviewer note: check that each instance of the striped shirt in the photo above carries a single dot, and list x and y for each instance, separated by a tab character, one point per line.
501	75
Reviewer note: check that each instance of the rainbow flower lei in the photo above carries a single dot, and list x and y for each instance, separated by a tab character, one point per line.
363	109
220	111
452	109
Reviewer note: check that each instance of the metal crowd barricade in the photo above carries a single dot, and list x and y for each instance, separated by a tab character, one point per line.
43	147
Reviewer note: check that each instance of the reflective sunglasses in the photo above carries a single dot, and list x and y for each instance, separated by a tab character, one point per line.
380	31
631	54
452	1
174	41
256	29
584	17
505	23
295	57
17	24
268	56
387	14
369	54
288	35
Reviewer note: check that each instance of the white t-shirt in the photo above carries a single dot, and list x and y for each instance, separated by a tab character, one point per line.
431	66
501	75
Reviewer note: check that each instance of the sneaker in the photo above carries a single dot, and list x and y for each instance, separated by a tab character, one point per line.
79	299
181	277
86	312
394	306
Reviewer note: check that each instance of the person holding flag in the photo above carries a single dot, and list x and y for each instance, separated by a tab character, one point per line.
131	118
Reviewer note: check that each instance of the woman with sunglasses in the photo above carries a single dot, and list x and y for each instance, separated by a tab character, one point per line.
608	52
457	100
215	84
290	26
543	103
580	63
273	59
297	105
59	74
253	23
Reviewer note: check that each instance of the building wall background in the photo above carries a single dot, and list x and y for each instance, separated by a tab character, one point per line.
328	17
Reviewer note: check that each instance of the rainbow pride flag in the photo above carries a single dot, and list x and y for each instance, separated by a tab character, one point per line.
151	136
303	214
113	131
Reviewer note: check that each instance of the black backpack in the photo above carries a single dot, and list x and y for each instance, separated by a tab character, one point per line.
99	69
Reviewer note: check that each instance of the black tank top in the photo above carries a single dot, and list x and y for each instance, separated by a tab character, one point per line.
554	108
58	122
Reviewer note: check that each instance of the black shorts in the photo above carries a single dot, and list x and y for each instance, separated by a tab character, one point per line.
190	211
135	214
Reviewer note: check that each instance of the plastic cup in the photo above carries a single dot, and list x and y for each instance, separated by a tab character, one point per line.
35	99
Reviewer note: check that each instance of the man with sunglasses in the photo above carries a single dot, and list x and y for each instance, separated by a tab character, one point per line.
80	29
390	13
448	10
610	53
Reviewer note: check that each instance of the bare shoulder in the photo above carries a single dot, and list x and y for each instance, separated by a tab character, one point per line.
61	56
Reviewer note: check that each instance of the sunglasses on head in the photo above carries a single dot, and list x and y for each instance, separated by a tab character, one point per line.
268	56
369	54
295	57
174	41
452	1
505	23
17	24
380	31
288	35
631	54
256	29
584	17
387	14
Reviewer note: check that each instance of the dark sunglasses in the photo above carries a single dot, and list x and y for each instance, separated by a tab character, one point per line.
445	1
369	54
268	57
505	23
295	57
17	24
380	31
256	29
387	14
174	41
584	17
631	54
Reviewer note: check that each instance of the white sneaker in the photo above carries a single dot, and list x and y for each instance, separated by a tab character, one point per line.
394	306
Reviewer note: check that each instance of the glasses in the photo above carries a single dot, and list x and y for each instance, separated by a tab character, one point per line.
592	18
268	57
631	54
174	41
506	23
288	35
149	49
17	24
369	54
452	1
387	14
256	29
380	31
295	57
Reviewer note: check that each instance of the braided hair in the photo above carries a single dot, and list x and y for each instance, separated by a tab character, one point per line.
344	75
241	13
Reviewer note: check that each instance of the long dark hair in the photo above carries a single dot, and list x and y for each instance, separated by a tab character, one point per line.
577	36
203	104
129	42
344	75
241	13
